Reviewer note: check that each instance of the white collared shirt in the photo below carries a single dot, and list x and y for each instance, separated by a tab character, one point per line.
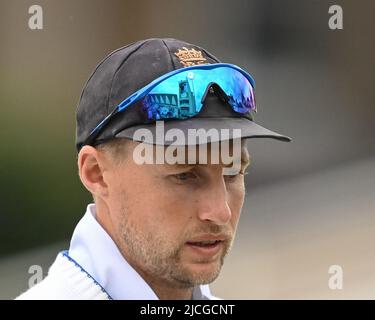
95	251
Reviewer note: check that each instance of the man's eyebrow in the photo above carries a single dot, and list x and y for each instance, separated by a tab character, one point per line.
183	165
245	161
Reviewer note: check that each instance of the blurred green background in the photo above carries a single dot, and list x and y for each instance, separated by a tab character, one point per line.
313	84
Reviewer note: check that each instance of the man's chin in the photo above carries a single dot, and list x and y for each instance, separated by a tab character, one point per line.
201	273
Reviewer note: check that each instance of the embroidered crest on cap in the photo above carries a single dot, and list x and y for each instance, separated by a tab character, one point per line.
190	57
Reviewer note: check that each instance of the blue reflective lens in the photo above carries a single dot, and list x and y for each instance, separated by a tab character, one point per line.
181	96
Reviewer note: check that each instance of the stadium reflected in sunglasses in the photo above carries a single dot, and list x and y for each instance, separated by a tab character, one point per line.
180	94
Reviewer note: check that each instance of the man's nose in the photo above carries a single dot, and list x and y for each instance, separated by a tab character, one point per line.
213	204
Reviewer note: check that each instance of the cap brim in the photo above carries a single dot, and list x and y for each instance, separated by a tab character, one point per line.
249	129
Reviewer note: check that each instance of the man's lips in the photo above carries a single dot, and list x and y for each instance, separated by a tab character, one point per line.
204	243
207	238
207	245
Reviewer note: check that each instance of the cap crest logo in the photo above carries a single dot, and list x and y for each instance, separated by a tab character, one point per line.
190	57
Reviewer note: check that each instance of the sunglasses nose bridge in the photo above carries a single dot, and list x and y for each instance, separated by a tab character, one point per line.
214	88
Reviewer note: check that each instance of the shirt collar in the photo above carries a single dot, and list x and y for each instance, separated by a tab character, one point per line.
93	248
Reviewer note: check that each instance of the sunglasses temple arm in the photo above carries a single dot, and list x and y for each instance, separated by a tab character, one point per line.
130	100
95	132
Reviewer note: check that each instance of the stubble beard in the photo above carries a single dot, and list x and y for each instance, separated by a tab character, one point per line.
152	255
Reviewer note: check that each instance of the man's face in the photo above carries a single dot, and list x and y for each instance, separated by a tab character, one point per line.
175	223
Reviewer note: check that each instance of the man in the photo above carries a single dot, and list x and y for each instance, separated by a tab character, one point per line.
166	199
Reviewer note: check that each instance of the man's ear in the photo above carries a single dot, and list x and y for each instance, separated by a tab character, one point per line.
91	167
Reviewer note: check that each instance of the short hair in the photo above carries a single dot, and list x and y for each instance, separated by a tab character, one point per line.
117	149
